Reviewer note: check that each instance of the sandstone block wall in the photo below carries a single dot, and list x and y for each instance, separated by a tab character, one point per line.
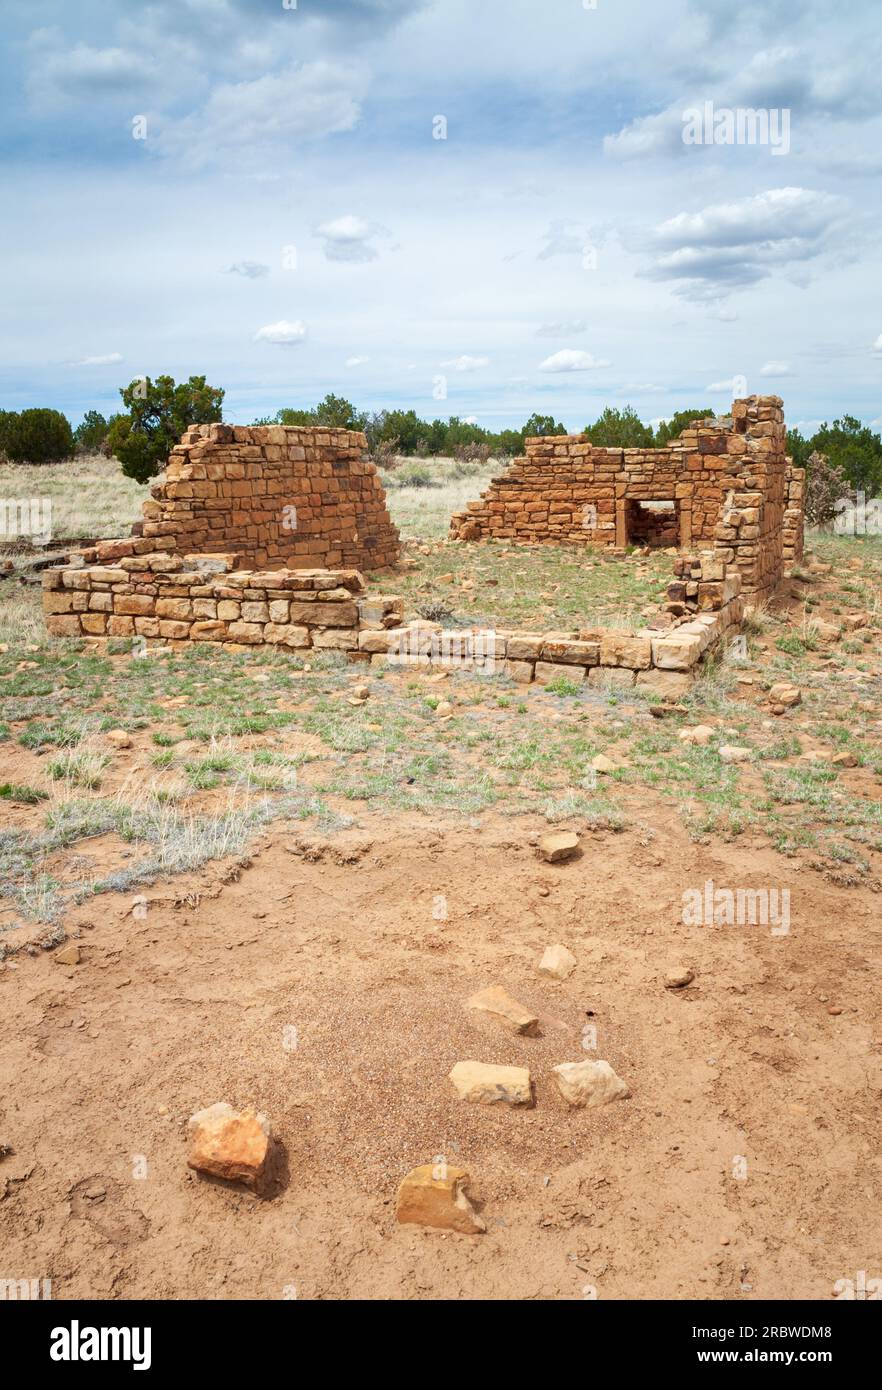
124	589
725	480
794	515
206	598
280	497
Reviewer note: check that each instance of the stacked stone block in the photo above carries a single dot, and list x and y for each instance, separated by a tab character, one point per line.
125	589
793	534
206	598
281	497
727	480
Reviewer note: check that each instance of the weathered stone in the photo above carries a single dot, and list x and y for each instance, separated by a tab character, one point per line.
730	753
557	963
434	1195
229	1145
118	738
589	1084
559	846
497	1002
484	1084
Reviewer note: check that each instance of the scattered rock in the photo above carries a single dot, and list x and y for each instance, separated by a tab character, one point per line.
700	734
230	1145
783	693
561	845
557	963
118	738
604	765
443	710
487	1085
678	977
589	1083
434	1195
729	753
499	1004
359	695
67	955
845	760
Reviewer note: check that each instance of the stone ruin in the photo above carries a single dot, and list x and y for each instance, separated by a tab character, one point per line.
725	484
278	497
255	538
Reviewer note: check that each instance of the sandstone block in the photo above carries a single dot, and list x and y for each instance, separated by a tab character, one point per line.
490	1085
434	1195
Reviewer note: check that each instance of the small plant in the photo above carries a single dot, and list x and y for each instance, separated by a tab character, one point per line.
27	796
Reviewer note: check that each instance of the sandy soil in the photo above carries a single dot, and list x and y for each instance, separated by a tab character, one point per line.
773	1055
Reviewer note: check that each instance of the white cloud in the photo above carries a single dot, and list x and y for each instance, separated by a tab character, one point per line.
569	360
721	388
776	369
349	238
242	120
283	333
466	363
877	346
356	361
107	360
736	244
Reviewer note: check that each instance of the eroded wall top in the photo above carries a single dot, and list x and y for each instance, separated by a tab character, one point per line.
277	496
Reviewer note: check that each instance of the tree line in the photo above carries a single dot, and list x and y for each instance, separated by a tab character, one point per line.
845	454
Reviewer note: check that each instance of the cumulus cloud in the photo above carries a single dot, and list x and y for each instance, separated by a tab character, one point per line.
356	361
776	369
721	388
251	270
283	333
63	70
732	245
349	238
877	346
108	359
243	119
569	360
466	363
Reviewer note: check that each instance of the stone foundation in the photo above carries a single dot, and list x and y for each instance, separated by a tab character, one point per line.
124	589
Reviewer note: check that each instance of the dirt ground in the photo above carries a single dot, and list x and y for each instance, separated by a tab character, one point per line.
323	984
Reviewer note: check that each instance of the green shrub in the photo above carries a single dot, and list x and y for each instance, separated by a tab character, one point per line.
159	412
36	436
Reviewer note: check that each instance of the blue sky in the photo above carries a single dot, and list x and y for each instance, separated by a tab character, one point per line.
290	226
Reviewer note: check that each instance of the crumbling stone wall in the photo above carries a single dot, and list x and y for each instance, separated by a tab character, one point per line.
276	496
794	515
726	479
124	589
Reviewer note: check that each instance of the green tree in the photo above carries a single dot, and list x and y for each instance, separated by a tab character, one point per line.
853	448
91	432
799	448
287	416
620	429
679	421
36	436
338	413
541	425
406	427
158	413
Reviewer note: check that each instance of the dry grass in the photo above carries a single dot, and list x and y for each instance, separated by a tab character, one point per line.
90	496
